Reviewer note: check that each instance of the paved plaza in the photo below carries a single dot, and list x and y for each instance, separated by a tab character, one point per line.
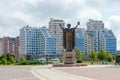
47	72
16	73
91	72
94	72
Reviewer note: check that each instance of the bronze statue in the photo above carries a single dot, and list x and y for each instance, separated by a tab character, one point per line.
69	37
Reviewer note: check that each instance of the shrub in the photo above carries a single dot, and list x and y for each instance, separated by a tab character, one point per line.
4	61
79	61
30	63
50	62
7	59
12	60
22	59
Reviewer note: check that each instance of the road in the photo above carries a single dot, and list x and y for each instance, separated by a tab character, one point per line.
16	73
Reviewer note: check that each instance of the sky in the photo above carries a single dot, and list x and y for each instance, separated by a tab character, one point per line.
15	14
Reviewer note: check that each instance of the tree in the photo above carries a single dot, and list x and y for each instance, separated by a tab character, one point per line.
9	57
12	60
92	56
101	55
114	57
4	61
22	59
108	57
79	55
3	56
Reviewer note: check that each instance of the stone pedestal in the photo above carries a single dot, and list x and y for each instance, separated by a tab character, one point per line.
69	60
69	57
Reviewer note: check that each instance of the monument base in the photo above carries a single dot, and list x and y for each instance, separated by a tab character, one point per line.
69	60
69	57
69	65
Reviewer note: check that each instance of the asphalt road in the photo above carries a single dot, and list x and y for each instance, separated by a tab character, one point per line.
16	73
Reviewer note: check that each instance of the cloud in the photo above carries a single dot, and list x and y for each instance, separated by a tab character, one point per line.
18	13
88	13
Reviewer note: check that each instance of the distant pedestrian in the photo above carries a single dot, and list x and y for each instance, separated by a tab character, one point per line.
46	61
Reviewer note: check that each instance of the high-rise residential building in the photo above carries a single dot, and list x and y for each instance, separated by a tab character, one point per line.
95	25
109	41
49	41
97	37
17	48
1	45
37	42
54	26
11	46
30	40
80	40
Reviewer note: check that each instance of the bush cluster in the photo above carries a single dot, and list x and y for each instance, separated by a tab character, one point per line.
6	59
30	63
79	61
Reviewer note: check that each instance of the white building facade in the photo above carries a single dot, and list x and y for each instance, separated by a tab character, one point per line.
99	37
37	42
54	26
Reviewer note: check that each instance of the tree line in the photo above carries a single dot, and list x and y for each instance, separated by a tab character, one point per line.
8	59
101	56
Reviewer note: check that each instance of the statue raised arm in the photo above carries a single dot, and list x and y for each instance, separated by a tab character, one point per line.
61	26
78	23
69	36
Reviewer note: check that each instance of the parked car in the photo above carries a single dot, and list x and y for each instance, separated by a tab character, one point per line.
41	59
54	60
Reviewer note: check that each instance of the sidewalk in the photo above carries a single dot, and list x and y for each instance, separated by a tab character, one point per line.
49	73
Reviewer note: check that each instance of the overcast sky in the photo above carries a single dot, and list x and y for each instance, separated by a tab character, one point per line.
14	14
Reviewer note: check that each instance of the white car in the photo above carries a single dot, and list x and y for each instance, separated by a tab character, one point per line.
41	59
54	60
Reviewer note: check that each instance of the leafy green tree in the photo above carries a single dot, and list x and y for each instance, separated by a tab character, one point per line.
12	60
22	59
84	57
8	58
79	55
101	55
108	57
3	56
113	57
92	56
3	61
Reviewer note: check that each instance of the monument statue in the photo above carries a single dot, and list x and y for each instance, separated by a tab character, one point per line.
69	37
69	43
